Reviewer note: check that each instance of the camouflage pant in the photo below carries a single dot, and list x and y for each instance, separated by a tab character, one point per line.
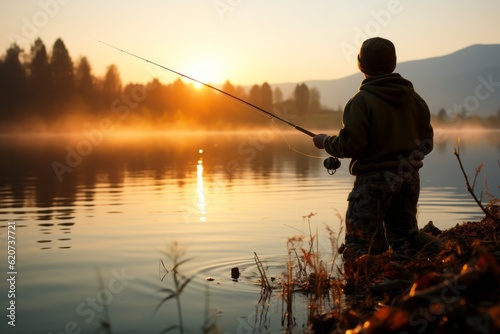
378	200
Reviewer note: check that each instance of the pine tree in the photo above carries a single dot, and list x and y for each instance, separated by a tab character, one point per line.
40	79
61	67
301	95
84	81
13	83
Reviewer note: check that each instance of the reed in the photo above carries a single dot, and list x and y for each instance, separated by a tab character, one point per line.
266	285
309	274
210	324
176	256
493	201
105	323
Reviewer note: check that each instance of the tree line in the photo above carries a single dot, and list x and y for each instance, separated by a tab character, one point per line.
47	86
42	86
461	118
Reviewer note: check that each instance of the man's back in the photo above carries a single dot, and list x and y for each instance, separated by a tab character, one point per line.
385	123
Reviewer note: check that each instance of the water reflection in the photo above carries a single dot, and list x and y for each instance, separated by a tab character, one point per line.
131	194
31	188
200	190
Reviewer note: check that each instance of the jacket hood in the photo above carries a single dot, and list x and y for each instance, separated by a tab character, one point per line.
391	88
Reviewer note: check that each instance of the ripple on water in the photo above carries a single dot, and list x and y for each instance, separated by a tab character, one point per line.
222	274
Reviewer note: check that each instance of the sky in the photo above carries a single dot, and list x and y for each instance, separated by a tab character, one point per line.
245	41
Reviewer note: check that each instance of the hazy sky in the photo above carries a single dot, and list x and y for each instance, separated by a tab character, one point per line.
246	41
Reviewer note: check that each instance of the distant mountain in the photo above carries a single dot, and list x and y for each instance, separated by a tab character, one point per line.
468	78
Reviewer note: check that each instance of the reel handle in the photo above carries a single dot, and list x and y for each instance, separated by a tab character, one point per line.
332	164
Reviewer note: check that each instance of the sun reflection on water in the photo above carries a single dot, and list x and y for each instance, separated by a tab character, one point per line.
200	190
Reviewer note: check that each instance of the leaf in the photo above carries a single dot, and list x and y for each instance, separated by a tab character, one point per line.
181	262
160	270
168	329
163	301
184	284
166	290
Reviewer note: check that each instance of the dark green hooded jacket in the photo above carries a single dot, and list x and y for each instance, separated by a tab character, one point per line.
386	127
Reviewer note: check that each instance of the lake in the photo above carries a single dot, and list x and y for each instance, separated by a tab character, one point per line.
96	216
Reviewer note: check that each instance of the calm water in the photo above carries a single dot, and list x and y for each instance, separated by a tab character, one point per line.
94	216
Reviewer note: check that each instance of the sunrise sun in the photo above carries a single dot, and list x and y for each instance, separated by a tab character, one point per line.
207	70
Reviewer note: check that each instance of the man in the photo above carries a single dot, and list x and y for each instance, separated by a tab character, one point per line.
386	132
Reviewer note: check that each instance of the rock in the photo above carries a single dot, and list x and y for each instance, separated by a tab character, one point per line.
431	229
235	273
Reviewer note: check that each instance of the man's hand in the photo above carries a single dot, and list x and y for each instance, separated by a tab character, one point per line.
319	139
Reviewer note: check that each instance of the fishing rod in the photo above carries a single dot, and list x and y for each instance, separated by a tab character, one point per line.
330	163
301	129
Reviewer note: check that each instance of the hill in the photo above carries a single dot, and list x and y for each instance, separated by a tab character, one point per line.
468	79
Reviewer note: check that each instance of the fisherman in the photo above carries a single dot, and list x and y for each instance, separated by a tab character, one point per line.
386	132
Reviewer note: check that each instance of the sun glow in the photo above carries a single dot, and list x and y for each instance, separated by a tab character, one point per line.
207	70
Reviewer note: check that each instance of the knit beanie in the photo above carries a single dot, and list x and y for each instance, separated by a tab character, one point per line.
377	56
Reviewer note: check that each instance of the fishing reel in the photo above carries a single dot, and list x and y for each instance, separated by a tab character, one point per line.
331	164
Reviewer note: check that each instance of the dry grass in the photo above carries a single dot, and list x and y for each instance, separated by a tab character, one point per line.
307	273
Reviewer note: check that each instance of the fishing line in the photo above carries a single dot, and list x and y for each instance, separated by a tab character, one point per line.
290	146
279	130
